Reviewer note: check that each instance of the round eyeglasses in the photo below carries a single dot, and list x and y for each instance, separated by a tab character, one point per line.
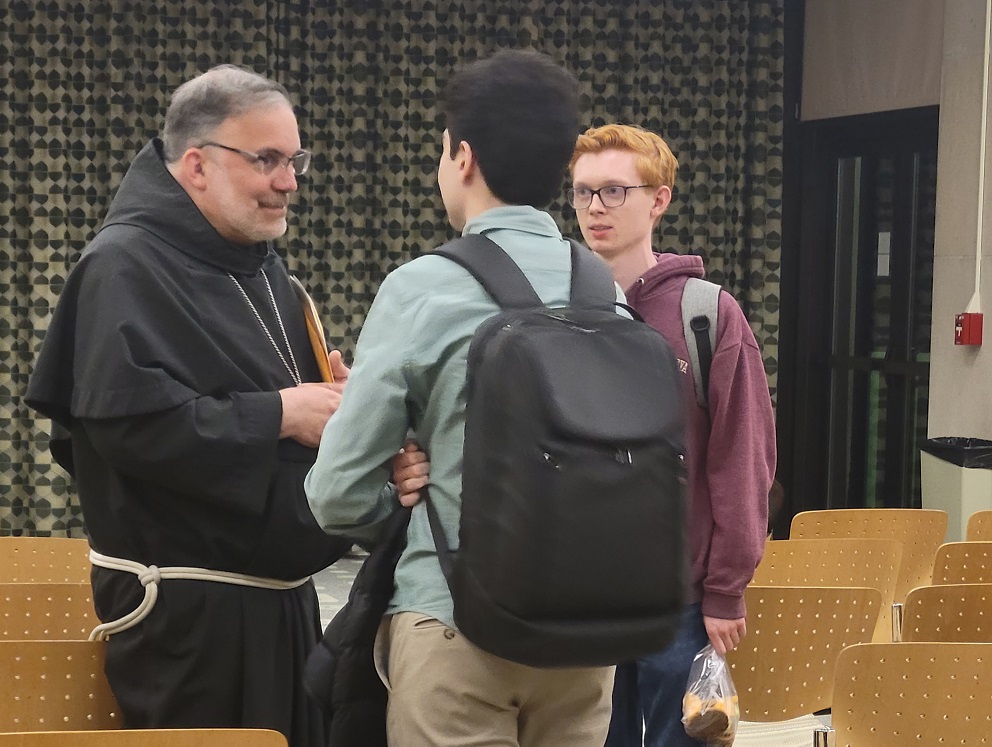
612	195
266	161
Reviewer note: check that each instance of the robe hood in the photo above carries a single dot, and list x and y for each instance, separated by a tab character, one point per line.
174	218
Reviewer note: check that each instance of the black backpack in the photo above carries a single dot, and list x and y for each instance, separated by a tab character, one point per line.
572	546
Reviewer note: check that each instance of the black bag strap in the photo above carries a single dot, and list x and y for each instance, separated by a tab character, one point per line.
592	281
505	282
700	326
499	275
445	555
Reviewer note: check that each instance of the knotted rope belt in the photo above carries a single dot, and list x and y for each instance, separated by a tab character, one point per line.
151	575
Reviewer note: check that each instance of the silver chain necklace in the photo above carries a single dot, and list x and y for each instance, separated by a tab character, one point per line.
294	372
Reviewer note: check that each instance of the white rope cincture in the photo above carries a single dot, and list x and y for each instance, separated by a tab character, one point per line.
150	576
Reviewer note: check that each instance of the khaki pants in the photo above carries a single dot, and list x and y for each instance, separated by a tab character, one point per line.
446	692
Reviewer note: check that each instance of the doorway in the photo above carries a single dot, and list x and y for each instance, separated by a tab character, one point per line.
863	310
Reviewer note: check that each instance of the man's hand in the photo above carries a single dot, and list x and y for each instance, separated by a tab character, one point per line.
724	634
339	371
307	408
411	472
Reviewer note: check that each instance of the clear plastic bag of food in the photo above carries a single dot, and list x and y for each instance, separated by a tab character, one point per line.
709	709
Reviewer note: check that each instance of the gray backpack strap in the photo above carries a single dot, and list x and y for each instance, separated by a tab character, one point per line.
700	304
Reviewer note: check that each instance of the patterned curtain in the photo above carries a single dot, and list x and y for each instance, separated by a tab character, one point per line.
86	84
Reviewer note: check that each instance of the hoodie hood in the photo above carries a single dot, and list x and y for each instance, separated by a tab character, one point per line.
667	268
174	218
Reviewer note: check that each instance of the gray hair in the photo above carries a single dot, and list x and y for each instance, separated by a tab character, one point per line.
199	106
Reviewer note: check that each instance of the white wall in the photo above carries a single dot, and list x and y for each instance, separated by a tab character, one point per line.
864	56
961	377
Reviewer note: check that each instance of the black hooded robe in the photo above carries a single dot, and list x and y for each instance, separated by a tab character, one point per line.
168	387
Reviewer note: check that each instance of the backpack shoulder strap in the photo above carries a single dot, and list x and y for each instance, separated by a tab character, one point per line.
592	284
445	555
499	275
700	304
592	281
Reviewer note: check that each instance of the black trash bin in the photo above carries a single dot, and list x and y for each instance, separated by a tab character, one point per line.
957	478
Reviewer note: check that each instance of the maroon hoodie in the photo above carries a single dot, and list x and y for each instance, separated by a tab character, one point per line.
731	447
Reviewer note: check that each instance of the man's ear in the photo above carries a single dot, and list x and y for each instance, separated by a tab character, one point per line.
192	169
466	161
662	199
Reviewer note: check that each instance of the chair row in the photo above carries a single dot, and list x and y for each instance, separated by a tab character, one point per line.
830	589
921	532
894	566
874	563
55	694
805	652
54	690
55	685
45	591
61	560
896	694
47	611
44	560
918	524
796	660
147	738
979	527
782	667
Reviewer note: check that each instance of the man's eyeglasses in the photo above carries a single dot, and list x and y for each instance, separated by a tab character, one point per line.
266	161
612	195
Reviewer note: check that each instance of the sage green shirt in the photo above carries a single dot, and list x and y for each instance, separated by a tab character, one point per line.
409	373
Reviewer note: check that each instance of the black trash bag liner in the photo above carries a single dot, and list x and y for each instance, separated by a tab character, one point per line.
964	452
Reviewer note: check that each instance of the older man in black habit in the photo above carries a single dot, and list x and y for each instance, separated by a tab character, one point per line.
188	402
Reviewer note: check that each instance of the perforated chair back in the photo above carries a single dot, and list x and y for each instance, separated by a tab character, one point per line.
52	612
44	560
897	694
920	530
979	527
148	738
963	563
956	613
55	685
836	561
783	668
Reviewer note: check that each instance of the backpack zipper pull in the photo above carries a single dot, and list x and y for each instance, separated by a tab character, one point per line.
622	456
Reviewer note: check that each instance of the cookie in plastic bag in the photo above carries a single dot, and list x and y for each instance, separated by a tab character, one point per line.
709	709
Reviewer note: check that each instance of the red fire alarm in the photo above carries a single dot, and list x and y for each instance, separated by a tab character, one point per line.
968	329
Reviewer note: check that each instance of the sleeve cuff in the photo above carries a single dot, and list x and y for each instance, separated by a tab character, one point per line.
723	606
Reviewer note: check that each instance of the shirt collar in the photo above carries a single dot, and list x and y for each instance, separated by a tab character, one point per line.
518	217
